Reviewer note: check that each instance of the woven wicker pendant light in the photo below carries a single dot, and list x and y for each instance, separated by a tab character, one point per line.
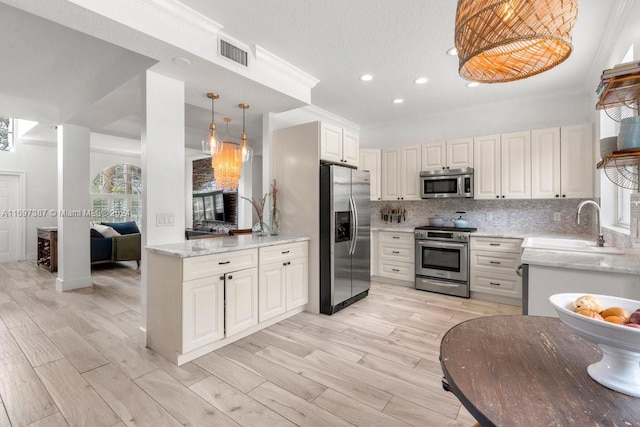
507	40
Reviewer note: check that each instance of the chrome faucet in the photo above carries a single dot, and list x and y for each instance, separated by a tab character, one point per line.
600	241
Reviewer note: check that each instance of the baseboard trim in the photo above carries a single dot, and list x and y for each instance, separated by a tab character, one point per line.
69	285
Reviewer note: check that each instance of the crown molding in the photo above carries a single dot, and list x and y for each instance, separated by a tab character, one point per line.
279	65
327	116
184	15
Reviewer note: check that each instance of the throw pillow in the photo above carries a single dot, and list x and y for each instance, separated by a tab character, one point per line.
105	230
127	227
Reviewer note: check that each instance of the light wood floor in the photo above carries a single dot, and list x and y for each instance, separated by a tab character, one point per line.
72	359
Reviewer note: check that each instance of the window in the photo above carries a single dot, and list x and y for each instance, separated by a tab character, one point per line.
116	194
623	210
6	134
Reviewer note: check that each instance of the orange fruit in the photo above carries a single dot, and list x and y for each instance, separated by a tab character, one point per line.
615	311
616	319
589	313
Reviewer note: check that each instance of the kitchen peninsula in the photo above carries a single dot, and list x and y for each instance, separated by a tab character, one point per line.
207	293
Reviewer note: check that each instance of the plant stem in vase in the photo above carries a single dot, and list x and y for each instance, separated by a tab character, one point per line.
275	212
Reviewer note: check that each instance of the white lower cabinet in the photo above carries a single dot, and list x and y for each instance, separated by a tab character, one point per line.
200	303
493	269
284	279
396	255
202	312
241	300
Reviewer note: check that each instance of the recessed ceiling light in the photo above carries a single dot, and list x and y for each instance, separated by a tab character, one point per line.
183	62
452	52
421	80
398	101
366	77
473	84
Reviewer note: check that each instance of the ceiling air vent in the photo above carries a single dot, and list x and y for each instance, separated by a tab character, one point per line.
233	53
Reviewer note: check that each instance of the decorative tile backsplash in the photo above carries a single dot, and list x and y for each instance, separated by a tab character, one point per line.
516	216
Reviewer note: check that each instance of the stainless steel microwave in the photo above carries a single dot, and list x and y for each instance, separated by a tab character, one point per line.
446	183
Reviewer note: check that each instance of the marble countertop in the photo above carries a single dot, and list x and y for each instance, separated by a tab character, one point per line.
200	247
393	229
625	263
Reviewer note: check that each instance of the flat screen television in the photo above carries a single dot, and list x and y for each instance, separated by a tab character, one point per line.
209	207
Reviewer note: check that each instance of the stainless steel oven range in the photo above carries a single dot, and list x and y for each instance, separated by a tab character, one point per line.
442	260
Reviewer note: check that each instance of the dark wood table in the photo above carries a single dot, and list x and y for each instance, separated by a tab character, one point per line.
529	370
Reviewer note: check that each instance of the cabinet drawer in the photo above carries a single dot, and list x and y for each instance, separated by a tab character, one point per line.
210	265
396	252
283	252
496	284
496	244
397	238
397	270
496	262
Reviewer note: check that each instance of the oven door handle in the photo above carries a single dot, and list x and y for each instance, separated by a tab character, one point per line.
439	244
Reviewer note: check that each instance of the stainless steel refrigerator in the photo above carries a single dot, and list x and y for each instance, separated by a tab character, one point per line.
345	270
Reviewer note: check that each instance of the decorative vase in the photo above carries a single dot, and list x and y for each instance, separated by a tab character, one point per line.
275	222
260	228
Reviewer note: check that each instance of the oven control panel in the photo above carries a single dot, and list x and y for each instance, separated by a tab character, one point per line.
441	235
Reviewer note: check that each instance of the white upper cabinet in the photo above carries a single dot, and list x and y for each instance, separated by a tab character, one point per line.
338	145
401	173
562	162
515	153
454	154
486	175
545	163
576	161
370	160
434	156
503	166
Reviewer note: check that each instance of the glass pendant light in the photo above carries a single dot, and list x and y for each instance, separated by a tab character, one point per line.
227	162
247	152
211	144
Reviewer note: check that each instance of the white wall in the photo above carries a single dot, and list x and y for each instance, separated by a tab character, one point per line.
40	164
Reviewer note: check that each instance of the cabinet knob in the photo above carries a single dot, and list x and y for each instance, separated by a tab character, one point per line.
557	195
497	197
447	167
503	197
284	263
230	277
443	167
221	277
564	195
289	263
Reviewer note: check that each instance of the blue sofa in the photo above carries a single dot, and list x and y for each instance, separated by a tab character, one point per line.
126	247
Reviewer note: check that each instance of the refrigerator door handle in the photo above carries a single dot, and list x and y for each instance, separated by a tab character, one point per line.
353	226
357	225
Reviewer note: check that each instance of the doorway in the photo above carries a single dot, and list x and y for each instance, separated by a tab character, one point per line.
12	217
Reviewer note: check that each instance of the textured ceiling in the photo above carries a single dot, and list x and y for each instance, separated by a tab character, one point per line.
58	73
336	41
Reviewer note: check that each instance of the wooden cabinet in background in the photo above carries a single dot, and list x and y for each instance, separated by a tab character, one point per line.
48	248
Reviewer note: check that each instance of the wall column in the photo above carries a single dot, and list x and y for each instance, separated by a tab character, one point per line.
163	167
74	206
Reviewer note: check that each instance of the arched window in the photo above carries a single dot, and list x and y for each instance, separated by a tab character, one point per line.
116	194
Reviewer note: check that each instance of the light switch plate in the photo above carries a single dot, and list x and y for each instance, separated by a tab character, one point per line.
557	216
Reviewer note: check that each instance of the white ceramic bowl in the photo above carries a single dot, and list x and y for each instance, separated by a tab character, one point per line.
619	368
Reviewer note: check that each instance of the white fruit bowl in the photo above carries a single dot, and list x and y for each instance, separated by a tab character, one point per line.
619	368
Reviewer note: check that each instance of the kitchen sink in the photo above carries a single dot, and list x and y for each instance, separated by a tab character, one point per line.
569	245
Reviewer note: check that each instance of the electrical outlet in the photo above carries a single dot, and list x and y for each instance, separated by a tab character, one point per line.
489	216
557	216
